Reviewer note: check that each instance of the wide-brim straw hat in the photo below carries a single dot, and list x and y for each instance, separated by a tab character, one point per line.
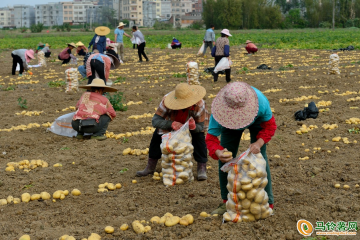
47	45
184	96
115	63
248	41
226	32
102	31
121	24
41	44
99	83
235	106
71	44
80	44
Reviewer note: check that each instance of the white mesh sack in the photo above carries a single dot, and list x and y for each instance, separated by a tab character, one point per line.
41	58
334	64
192	72
72	83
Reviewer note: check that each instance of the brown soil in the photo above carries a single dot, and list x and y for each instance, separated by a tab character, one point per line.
303	189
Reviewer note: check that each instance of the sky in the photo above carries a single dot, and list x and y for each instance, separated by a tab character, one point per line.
5	3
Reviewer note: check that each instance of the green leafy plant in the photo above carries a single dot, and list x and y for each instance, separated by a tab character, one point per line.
23	29
56	83
64	148
125	140
9	88
243	70
354	130
28	186
36	28
22	102
120	79
179	75
286	67
123	170
116	101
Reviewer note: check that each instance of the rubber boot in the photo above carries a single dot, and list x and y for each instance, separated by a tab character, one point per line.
201	171
220	210
150	168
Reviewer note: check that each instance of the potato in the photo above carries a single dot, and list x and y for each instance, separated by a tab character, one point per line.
241	195
261	173
63	237
17	200
203	214
9	199
70	238
24	237
346	186
102	186
45	196
245	167
256	182
134	181
124	227
227	217
66	192
179	181
259	198
109	229
118	186
155	219
57	165
172	221
247	187
25	197
138	227
75	192
101	190
57	194
266	199
245	203
245	211
10	169
230	205
94	236
184	175
266	213
251	174
245	181
248	217
264	183
251	194
126	151
35	197
3	202
227	154
147	229
187	220
251	168
255	208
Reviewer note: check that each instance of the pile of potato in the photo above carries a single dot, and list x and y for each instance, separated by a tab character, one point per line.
324	103
298	99
247	199
353	121
104	187
20	127
93	236
176	157
137	152
157	176
353	99
26	165
272	90
29	113
61	194
192	72
133	103
170	220
334	64
72	83
25	197
305	129
330	126
145	115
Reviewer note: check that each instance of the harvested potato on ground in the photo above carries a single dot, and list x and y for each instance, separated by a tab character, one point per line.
111	187
147	229
186	220
57	194
45	196
35	197
63	237
94	236
3	202
138	227
24	237
134	181
25	197
9	199
76	192
124	227
172	221
118	186
17	200
109	229
155	219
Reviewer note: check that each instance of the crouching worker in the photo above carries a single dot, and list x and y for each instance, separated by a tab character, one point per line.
175	109
21	57
94	111
237	107
251	48
175	44
46	50
66	55
81	50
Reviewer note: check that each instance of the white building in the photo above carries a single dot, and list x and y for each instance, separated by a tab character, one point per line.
79	11
149	13
165	12
68	13
7	17
49	14
24	16
132	10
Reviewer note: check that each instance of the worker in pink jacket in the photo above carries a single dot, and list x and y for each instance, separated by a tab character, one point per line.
251	48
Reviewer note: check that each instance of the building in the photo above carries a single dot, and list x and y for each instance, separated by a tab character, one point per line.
165	12
24	16
197	6
68	12
149	13
190	18
79	11
49	14
132	10
7	18
95	15
113	4
181	7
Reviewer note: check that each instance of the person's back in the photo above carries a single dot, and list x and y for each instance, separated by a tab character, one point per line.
209	38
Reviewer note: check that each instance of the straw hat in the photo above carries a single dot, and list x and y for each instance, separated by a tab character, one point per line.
47	45
97	82
121	24
102	31
235	106
71	44
226	32
115	61
184	96
248	41
41	44
80	44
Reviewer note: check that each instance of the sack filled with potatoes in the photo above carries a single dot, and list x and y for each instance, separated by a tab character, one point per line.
177	150
247	178
192	72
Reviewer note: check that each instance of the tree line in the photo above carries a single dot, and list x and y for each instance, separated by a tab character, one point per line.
268	14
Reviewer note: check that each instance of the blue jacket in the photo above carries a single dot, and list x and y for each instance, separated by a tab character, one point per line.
100	45
226	51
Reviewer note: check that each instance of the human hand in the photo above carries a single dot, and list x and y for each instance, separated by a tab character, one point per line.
192	124
176	125
214	43
223	158
256	146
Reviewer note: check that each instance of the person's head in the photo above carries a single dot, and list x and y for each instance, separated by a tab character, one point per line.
98	85
121	25
29	54
225	33
235	106
71	45
97	89
212	26
184	96
134	28
248	41
47	45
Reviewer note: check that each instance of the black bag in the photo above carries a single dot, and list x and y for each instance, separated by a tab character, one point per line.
211	70
300	115
87	123
312	111
264	67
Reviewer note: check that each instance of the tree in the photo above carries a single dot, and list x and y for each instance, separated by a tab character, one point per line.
109	16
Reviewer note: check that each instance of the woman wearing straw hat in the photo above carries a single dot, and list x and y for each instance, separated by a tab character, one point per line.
39	47
98	66
251	47
119	34
237	107
46	50
175	109
21	57
94	111
81	50
66	55
99	40
220	50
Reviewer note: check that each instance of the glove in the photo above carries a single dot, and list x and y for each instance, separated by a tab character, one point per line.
176	125
192	124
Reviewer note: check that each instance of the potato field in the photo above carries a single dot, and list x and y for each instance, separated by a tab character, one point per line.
62	175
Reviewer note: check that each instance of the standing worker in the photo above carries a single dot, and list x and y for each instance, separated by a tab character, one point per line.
66	55
222	49
21	57
237	107
251	48
99	40
140	42
209	39
175	109
119	33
